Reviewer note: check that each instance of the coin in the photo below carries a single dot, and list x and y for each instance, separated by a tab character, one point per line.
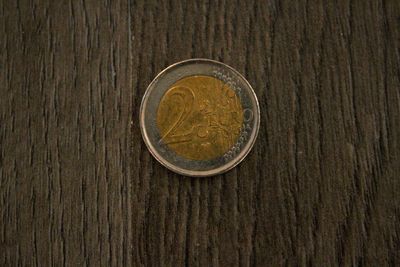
199	117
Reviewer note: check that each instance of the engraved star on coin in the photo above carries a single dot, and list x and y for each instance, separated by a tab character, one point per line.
199	117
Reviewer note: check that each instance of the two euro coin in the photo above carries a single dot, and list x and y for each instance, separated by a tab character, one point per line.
199	117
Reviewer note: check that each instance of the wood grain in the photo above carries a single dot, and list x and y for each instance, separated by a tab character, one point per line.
79	188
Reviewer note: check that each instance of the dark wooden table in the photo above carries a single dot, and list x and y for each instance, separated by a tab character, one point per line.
79	188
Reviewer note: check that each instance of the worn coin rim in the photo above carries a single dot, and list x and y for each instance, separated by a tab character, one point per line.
196	173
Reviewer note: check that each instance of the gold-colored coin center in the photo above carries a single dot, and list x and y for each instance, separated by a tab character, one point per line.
199	117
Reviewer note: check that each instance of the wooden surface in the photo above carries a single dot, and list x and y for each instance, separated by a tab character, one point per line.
79	188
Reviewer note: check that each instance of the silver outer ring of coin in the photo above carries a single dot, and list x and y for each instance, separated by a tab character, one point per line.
163	81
